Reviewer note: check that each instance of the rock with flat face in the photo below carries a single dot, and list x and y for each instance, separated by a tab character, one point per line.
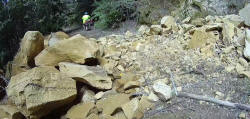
131	109
40	90
80	111
200	38
76	49
247	45
31	45
111	103
94	76
144	30
169	22
162	90
57	37
10	112
244	13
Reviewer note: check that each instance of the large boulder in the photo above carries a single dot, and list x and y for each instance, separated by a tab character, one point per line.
31	45
40	90
244	13
76	49
94	76
57	37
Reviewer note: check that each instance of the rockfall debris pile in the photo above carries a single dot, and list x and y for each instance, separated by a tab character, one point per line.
126	76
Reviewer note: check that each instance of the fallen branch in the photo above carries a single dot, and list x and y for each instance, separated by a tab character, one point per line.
216	101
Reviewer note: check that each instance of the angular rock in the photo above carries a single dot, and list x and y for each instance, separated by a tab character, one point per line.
144	30
99	95
235	19
76	49
108	64
40	90
31	45
155	30
131	84
10	112
112	52
111	103
119	115
200	38
198	22
243	62
91	75
186	20
244	13
247	45
80	111
228	33
93	116
145	104
88	96
239	68
131	109
57	37
162	90
152	97
242	115
169	22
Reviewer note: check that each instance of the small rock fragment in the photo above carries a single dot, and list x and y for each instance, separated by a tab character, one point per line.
152	97
162	90
242	115
99	95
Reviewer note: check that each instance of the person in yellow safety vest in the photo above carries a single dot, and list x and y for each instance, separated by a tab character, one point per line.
85	17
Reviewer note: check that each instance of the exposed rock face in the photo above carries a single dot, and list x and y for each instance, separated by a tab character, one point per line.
244	13
31	45
75	49
94	76
40	90
80	111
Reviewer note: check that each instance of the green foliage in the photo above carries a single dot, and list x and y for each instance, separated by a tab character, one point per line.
110	12
19	16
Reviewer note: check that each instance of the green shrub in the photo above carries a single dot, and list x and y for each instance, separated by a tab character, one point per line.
19	16
111	12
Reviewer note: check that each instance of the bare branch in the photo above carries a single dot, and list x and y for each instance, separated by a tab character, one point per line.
216	101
